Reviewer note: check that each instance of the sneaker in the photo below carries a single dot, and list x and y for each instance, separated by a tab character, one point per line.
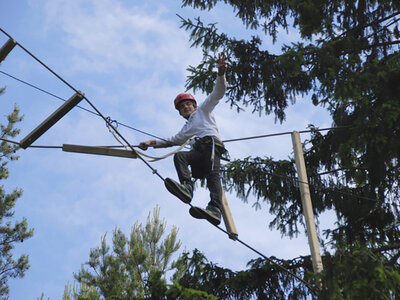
214	214
182	191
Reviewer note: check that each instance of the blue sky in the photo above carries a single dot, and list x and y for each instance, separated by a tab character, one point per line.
130	60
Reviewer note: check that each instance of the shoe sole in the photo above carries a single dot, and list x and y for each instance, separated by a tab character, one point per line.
173	187
199	213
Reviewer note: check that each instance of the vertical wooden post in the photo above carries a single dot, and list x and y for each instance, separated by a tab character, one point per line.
306	202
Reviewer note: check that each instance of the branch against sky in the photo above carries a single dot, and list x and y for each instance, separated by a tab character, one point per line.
12	232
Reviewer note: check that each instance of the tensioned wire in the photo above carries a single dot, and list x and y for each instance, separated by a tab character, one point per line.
294	179
223	230
152	135
108	122
81	107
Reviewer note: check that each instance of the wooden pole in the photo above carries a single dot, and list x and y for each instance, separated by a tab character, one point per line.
99	151
228	220
6	49
51	120
306	202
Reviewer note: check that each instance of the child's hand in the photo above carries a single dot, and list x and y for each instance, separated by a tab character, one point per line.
222	64
146	144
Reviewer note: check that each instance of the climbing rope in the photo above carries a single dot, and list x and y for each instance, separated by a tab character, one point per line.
80	107
168	154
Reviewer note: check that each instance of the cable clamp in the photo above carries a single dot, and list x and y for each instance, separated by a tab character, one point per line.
110	122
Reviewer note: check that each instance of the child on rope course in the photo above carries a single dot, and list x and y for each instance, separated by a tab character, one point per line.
204	158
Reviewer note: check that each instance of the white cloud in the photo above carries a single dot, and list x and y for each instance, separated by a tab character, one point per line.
110	35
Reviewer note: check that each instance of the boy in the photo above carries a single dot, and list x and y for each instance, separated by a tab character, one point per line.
204	158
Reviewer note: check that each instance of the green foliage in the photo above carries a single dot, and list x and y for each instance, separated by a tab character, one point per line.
176	291
80	292
347	61
11	232
367	274
268	180
262	280
135	268
253	74
42	297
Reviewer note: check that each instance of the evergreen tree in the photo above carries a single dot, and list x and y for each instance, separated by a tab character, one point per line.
11	232
262	280
135	268
347	61
80	292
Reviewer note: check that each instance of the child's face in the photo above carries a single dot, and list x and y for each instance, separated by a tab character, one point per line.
186	108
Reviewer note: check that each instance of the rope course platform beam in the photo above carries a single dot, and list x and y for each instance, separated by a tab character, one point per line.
7	48
51	120
99	151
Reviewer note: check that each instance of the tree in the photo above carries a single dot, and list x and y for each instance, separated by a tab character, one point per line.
262	280
80	292
15	232
135	268
347	61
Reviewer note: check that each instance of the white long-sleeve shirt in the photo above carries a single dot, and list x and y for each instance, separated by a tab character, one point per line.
201	122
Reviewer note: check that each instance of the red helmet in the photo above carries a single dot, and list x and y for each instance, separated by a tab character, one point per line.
182	97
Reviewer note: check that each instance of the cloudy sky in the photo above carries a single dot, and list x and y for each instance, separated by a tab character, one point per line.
129	58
